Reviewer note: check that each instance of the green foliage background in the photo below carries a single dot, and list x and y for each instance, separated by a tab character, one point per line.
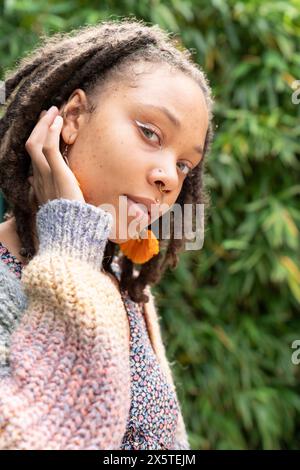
230	311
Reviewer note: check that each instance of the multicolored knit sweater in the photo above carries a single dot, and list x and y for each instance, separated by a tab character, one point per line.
69	377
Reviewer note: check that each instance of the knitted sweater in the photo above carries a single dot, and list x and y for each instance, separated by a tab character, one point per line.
65	370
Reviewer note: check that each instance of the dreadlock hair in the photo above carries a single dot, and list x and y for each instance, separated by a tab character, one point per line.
88	58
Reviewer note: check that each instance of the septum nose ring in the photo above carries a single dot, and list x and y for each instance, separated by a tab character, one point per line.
160	188
162	191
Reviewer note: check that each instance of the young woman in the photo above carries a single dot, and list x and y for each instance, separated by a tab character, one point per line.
108	113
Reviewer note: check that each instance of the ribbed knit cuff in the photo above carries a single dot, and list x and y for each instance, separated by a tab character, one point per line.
73	228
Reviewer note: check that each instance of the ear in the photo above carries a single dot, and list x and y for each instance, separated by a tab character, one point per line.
73	113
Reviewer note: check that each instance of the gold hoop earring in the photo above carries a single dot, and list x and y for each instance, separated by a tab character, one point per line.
65	153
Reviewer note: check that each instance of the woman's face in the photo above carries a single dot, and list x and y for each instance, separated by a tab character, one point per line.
112	155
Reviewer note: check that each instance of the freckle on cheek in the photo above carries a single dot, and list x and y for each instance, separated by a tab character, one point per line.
97	161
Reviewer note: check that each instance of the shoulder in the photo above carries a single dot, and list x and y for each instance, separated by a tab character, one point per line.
13	302
7	277
11	289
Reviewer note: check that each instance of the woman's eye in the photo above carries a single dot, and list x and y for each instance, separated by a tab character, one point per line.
147	129
188	169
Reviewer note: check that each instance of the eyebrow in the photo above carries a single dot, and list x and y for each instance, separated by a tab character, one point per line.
173	119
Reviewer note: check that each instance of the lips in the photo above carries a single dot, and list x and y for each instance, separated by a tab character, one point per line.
138	209
148	202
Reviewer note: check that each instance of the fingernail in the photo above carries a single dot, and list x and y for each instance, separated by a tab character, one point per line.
57	121
51	109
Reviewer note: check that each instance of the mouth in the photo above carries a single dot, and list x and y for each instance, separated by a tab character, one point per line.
139	208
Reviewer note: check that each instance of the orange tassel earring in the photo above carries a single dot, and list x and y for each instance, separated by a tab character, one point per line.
141	250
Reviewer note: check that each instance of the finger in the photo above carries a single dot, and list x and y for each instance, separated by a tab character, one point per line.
51	147
33	170
36	140
42	114
40	131
52	152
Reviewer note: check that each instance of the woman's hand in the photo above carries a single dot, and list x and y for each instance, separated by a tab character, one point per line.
52	178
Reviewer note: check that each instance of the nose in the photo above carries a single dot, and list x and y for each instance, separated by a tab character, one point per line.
164	178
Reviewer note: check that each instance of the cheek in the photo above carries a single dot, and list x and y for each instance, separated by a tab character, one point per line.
110	163
118	156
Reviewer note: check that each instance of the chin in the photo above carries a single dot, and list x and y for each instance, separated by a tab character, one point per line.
133	235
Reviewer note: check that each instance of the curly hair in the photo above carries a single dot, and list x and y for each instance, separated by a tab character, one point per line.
88	58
